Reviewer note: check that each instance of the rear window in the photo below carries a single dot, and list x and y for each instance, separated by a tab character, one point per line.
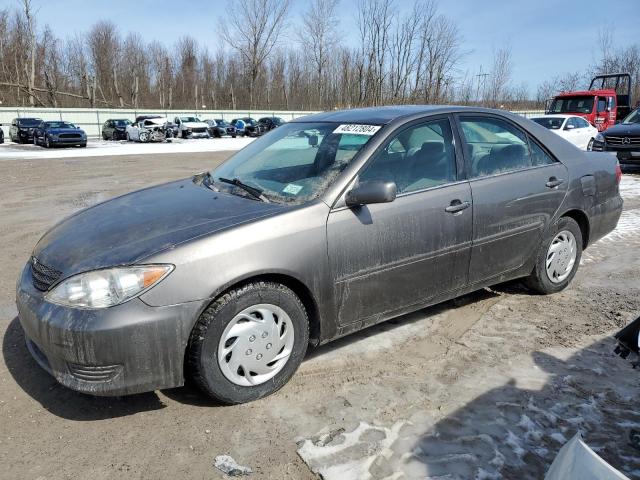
549	122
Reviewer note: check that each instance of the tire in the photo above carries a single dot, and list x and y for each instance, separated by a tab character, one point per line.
47	143
127	138
206	369
233	136
83	145
144	137
35	140
590	145
540	280
104	136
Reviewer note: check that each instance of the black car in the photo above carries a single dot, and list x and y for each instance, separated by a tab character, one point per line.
624	139
1	134
219	127
59	134
21	130
115	129
271	122
251	127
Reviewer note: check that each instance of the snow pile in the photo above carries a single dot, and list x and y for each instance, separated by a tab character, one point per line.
99	148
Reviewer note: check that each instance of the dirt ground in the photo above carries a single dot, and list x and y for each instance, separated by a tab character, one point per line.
487	386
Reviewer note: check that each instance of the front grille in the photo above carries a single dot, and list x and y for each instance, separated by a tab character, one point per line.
199	130
94	373
231	130
622	141
43	276
69	135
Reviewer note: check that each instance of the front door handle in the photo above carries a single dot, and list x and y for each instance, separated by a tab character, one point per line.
554	182
457	206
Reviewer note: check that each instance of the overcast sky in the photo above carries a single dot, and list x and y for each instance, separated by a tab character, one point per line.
547	37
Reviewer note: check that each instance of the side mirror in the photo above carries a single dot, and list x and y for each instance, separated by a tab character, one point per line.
313	140
371	192
569	127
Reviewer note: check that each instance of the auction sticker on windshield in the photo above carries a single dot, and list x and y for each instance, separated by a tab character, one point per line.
357	129
292	189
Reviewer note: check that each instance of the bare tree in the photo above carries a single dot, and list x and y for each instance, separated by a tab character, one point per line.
31	46
253	29
499	78
318	37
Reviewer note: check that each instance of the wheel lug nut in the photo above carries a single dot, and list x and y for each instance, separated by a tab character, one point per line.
252	338
264	334
268	346
259	356
249	352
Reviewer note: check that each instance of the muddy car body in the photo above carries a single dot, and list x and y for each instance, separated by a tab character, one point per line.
324	226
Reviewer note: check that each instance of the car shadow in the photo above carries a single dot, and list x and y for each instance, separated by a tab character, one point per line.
59	400
517	429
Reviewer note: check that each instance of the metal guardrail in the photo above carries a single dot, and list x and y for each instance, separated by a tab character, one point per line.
92	119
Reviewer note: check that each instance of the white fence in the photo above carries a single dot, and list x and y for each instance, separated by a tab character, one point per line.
91	119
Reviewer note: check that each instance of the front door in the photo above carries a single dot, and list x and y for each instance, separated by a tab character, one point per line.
517	187
394	256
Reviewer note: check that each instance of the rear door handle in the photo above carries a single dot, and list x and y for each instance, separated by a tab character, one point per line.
457	206
554	182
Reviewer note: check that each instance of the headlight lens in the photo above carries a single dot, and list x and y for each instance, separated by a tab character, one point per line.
599	138
106	288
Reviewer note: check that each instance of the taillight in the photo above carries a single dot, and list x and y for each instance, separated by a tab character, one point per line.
618	173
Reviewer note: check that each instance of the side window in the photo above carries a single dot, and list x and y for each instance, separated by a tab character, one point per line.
495	146
538	155
571	123
582	123
602	104
419	157
612	102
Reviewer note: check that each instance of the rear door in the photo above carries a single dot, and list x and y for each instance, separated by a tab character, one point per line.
517	186
393	256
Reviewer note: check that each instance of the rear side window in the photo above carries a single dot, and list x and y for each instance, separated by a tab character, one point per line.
494	146
539	156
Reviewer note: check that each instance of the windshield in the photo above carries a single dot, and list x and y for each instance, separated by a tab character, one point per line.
550	122
578	104
250	121
633	117
189	119
59	125
294	163
221	123
121	123
29	122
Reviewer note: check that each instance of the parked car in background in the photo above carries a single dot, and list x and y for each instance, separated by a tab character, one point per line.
115	129
59	134
220	128
148	128
623	140
1	134
270	123
249	127
191	127
21	130
296	240
572	128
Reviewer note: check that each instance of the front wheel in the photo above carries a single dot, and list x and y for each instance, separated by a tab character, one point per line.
590	145
47	142
144	137
558	258
248	343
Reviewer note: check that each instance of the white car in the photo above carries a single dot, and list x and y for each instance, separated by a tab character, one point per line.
148	128
572	128
191	127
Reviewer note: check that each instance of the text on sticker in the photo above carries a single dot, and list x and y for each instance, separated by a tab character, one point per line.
357	129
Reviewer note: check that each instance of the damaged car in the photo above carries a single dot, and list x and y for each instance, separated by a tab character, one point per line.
148	128
329	224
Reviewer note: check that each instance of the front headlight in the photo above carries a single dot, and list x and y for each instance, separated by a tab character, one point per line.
108	287
599	138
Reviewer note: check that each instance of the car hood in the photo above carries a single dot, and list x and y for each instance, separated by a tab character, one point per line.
57	131
127	229
195	125
622	129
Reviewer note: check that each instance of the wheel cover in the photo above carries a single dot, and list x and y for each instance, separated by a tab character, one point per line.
255	345
561	256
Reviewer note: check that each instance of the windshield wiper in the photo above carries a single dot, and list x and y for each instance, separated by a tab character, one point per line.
253	191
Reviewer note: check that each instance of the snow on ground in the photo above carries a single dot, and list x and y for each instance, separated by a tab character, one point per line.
99	148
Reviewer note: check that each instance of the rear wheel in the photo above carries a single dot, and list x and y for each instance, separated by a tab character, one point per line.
558	258
248	343
590	145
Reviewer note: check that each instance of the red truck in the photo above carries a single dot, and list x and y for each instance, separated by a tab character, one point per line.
607	101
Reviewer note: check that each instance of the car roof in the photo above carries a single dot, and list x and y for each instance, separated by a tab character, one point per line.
386	114
556	115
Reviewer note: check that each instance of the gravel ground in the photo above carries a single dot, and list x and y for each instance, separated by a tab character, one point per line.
486	386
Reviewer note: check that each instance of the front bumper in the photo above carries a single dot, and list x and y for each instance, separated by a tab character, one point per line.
125	349
67	141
